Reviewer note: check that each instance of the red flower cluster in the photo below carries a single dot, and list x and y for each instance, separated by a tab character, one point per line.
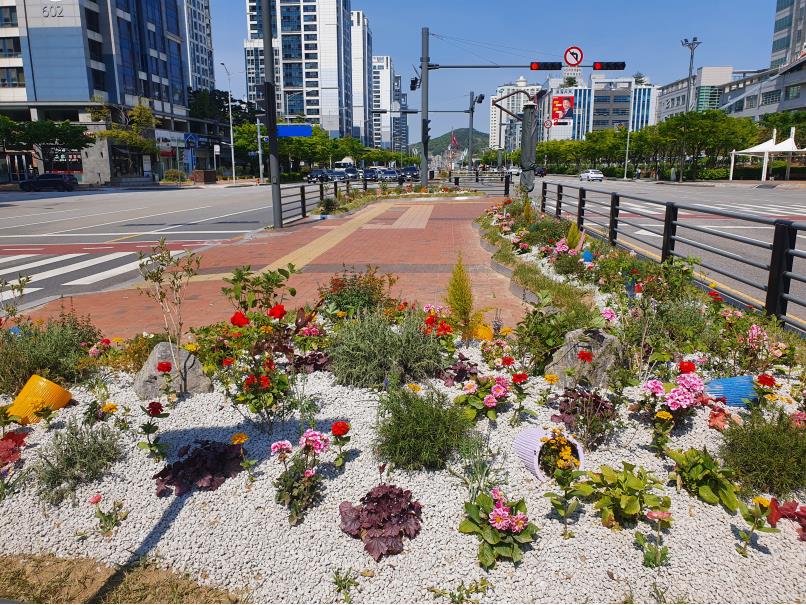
766	380
585	356
239	320
340	428
106	342
443	328
277	312
11	447
687	367
164	367
788	510
227	361
715	297
520	378
252	380
507	361
268	365
154	409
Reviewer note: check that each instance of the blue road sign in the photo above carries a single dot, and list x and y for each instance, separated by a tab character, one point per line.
294	130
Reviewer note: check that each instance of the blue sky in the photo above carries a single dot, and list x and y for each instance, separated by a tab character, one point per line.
644	34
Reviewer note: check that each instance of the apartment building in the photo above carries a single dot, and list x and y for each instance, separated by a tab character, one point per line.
362	78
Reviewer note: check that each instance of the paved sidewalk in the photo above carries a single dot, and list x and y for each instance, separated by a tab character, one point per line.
416	240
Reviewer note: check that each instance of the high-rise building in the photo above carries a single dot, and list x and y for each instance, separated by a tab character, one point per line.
789	32
313	64
199	44
362	78
503	127
69	55
383	86
400	120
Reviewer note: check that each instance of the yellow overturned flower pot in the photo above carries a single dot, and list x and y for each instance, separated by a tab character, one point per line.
36	393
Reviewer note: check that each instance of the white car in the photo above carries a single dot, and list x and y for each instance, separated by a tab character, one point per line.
514	171
591	175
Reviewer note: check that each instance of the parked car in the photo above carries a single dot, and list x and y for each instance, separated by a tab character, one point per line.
361	173
540	171
59	182
388	175
352	174
591	175
337	175
371	174
514	171
318	176
412	173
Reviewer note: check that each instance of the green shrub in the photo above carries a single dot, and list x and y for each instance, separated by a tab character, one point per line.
77	455
174	175
132	354
355	291
367	353
328	206
570	264
545	231
416	433
767	454
702	476
56	350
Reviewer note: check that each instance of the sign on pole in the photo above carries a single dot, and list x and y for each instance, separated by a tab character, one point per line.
547	124
217	149
294	130
573	56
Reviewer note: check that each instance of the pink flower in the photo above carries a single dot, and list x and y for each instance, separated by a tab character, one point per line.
317	441
499	518
281	447
518	523
470	387
309	472
573	252
310	331
608	314
562	246
94	352
490	401
497	494
691	381
655	387
95	499
798	420
756	337
680	398
658	515
499	391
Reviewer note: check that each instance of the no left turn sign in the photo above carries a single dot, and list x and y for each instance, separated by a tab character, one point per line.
573	56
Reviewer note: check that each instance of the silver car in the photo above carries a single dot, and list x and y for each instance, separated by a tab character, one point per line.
591	175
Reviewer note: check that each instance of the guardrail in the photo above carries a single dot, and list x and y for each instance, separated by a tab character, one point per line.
766	268
495	183
298	200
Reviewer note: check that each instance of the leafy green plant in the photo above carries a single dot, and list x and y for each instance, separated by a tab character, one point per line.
358	291
756	517
501	525
587	415
75	456
766	454
478	467
702	476
419	432
622	496
656	553
344	582
462	593
573	236
249	291
565	503
6	419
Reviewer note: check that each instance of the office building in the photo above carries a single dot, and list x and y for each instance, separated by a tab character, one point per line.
769	91
199	45
362	78
383	86
313	64
73	54
705	91
503	126
789	32
400	120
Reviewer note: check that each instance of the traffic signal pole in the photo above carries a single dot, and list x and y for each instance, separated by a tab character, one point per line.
260	150
270	98
425	61
470	131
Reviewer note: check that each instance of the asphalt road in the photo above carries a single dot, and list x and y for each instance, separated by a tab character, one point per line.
71	243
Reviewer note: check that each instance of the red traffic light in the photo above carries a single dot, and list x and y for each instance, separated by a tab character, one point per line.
534	65
545	66
609	65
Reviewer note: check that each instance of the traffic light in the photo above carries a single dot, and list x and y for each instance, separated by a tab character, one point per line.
426	131
415	84
545	66
609	65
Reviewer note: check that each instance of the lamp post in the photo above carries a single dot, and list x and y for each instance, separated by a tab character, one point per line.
231	130
692	46
474	100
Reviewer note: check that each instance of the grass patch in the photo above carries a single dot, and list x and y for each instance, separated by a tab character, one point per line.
49	579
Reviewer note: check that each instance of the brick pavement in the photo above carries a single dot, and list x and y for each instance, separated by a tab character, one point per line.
417	241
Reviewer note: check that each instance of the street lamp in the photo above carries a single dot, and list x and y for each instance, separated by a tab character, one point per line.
474	100
692	46
231	130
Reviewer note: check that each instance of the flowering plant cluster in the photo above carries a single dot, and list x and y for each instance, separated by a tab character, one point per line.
498	353
299	486
436	323
557	452
483	396
500	524
110	519
10	454
520	246
756	517
148	429
686	393
339	430
656	554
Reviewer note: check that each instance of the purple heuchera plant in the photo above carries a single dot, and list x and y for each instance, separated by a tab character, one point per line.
386	514
207	467
460	372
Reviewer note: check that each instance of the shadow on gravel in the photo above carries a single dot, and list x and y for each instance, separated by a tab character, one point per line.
753	542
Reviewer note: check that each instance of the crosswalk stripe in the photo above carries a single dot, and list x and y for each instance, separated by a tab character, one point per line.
97	277
78	266
7	295
39	263
11	259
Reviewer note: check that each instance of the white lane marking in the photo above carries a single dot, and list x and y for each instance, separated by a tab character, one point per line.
79	209
11	259
100	248
38	263
118	234
212	218
135	218
94	279
57	220
78	266
25	292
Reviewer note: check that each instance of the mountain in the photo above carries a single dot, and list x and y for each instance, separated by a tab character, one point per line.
481	141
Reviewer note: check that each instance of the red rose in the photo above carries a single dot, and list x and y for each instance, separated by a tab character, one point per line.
227	361
520	378
239	320
585	356
164	367
507	361
277	312
154	409
766	380
686	367
340	428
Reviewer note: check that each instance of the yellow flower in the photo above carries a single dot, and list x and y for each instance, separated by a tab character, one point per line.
506	331
414	388
763	502
771	397
191	347
266	329
239	439
118	340
341	314
551	378
663	415
109	408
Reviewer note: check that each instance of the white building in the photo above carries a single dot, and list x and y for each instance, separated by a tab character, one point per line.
199	46
383	87
313	64
705	91
503	127
362	78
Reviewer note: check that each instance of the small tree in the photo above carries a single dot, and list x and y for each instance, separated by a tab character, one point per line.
570	82
132	128
460	300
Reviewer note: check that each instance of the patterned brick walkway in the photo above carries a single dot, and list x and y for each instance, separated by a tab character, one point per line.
417	241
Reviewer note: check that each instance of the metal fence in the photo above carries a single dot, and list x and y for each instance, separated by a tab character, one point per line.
299	200
492	183
759	273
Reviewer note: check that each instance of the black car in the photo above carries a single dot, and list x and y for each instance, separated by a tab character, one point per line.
371	174
540	171
59	182
412	173
318	176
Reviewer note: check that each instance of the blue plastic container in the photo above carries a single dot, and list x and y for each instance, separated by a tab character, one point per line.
587	256
735	390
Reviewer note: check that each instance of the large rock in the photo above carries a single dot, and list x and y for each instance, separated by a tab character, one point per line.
605	349
148	383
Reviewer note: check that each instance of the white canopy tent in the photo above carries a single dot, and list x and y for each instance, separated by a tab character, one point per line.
787	148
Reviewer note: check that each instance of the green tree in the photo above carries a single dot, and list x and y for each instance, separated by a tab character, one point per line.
132	128
46	138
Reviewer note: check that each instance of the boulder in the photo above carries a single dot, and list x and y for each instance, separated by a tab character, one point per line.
605	348
148	383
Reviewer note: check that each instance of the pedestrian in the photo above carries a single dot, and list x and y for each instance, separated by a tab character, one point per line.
400	179
637	174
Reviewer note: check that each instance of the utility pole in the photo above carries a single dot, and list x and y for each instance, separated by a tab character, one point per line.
470	132
692	46
270	97
260	150
425	61
231	130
